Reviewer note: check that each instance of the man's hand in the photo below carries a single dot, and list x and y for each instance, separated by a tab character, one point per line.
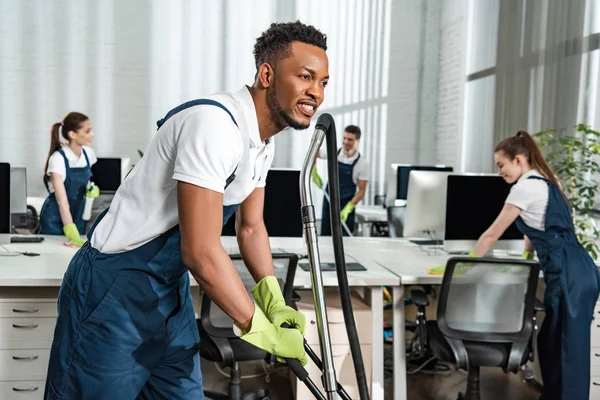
281	342
269	298
315	177
346	211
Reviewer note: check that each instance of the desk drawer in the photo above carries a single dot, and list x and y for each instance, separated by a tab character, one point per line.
28	310
23	365
595	387
22	390
595	361
37	332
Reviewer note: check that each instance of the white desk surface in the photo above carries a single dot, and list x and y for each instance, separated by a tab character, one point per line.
48	268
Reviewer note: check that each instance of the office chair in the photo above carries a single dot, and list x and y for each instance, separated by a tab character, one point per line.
395	220
221	345
486	316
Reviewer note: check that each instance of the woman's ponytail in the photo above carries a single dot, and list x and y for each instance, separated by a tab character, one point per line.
54	146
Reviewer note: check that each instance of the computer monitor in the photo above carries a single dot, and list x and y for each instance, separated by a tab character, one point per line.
18	197
5	203
473	202
425	215
108	173
398	183
282	207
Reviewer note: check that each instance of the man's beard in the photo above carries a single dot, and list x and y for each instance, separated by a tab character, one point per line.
281	117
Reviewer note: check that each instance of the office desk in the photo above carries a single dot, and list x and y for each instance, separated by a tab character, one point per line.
30	285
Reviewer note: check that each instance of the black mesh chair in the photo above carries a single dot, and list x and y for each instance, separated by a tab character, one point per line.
221	345
485	316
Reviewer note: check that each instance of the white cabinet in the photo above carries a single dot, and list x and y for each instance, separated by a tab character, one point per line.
27	320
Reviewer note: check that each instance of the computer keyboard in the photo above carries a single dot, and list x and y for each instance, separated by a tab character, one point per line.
329	266
26	239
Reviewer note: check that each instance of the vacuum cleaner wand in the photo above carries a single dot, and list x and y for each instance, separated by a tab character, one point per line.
326	126
310	235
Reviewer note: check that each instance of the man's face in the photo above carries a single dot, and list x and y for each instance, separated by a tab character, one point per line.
350	142
298	87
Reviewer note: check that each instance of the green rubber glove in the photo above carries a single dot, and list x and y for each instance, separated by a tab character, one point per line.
269	298
315	177
73	235
528	255
347	210
92	192
281	342
459	269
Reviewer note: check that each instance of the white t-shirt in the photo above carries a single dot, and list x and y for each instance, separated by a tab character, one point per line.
200	145
361	169
56	162
531	196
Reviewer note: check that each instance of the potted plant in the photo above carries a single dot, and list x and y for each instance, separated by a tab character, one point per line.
574	159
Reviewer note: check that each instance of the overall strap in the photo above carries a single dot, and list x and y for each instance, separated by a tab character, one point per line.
355	161
200	102
193	103
62	153
87	160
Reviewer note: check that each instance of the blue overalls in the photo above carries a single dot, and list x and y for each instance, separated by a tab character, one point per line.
75	185
126	327
347	192
572	287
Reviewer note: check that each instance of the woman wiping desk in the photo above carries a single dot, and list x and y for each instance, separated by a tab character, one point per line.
542	213
67	177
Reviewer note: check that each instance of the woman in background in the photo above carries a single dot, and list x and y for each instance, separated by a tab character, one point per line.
543	215
67	176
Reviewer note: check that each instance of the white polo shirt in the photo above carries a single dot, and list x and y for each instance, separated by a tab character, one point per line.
56	162
200	145
531	196
361	169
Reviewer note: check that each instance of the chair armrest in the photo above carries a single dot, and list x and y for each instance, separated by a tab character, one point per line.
539	306
206	323
419	298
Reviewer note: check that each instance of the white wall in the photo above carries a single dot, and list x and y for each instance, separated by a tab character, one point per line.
451	82
125	64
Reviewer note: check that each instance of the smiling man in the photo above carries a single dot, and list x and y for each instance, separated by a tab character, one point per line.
126	327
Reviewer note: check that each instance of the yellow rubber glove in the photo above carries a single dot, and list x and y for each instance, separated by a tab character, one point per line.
280	342
92	191
315	177
73	235
459	269
347	210
528	255
269	298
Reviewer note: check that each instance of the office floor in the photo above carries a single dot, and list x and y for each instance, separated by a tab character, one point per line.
495	385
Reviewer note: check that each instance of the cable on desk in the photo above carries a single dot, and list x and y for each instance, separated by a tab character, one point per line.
8	253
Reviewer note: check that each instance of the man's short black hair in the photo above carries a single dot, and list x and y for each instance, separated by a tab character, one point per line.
353	129
274	43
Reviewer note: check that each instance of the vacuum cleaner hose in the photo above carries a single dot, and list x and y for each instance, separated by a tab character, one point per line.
327	123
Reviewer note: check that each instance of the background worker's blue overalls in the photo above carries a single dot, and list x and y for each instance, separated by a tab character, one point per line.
572	287
76	181
347	192
126	327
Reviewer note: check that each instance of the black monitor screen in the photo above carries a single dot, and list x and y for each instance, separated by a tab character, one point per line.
282	205
107	174
404	172
472	205
4	198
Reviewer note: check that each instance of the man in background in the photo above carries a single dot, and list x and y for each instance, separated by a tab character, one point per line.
353	179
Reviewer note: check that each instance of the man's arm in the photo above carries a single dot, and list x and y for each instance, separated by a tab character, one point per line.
252	236
200	220
362	189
